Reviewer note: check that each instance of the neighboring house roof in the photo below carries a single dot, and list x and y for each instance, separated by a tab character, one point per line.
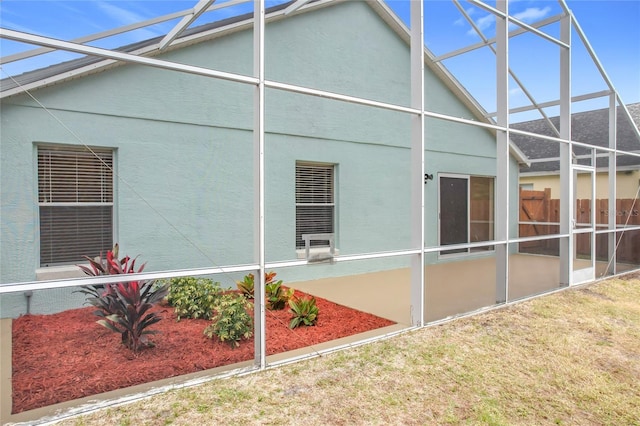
589	127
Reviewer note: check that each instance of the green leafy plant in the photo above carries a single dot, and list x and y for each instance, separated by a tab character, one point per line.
231	321
304	310
132	301
246	286
106	265
124	306
193	297
100	265
276	296
103	296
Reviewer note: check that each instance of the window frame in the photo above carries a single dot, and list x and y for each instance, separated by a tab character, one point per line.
443	253
323	245
106	197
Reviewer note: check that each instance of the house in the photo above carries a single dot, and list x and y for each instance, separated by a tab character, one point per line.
589	127
161	162
540	182
159	155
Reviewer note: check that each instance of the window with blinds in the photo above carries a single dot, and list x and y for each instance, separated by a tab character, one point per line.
75	197
315	207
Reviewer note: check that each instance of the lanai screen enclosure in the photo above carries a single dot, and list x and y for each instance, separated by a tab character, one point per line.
321	140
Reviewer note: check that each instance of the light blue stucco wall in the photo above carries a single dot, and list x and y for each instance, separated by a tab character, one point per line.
184	159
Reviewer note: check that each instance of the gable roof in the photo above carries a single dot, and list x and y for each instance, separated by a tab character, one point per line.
86	65
589	127
91	64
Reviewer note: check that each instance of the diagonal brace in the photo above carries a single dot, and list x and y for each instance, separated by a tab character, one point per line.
184	23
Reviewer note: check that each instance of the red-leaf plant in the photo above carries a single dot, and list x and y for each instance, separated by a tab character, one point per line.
124	306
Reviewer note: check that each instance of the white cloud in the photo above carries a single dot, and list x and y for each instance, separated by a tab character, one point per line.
462	20
532	14
515	92
483	23
123	17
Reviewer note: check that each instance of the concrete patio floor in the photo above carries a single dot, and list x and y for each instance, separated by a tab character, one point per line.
451	288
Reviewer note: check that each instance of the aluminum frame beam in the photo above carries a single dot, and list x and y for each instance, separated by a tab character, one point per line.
567	205
96	36
417	162
548	104
612	186
121	56
295	6
530	28
184	23
492	40
511	72
258	183
598	64
120	30
502	152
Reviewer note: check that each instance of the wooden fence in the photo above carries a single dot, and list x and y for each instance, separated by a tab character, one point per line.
538	206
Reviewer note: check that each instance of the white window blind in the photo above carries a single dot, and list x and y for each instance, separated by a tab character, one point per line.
75	195
315	207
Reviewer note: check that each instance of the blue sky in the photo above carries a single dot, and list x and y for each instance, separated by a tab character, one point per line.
612	28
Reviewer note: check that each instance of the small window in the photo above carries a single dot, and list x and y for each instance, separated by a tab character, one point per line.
526	186
75	198
315	206
466	211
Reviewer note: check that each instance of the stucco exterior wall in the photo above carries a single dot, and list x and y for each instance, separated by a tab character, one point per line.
184	159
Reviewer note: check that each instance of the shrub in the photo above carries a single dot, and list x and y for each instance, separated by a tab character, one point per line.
124	306
231	322
102	296
276	296
193	297
305	311
131	301
246	286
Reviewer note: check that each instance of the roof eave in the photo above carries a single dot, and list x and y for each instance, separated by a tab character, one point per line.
443	73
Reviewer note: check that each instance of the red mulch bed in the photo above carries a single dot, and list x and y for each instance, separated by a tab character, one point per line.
66	356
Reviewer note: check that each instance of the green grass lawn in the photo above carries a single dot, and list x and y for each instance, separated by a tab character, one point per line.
569	358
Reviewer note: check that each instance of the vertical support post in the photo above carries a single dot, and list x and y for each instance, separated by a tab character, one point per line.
502	152
258	182
593	218
417	162
612	208
567	203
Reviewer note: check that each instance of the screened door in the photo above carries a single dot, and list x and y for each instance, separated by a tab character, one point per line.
454	210
584	225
